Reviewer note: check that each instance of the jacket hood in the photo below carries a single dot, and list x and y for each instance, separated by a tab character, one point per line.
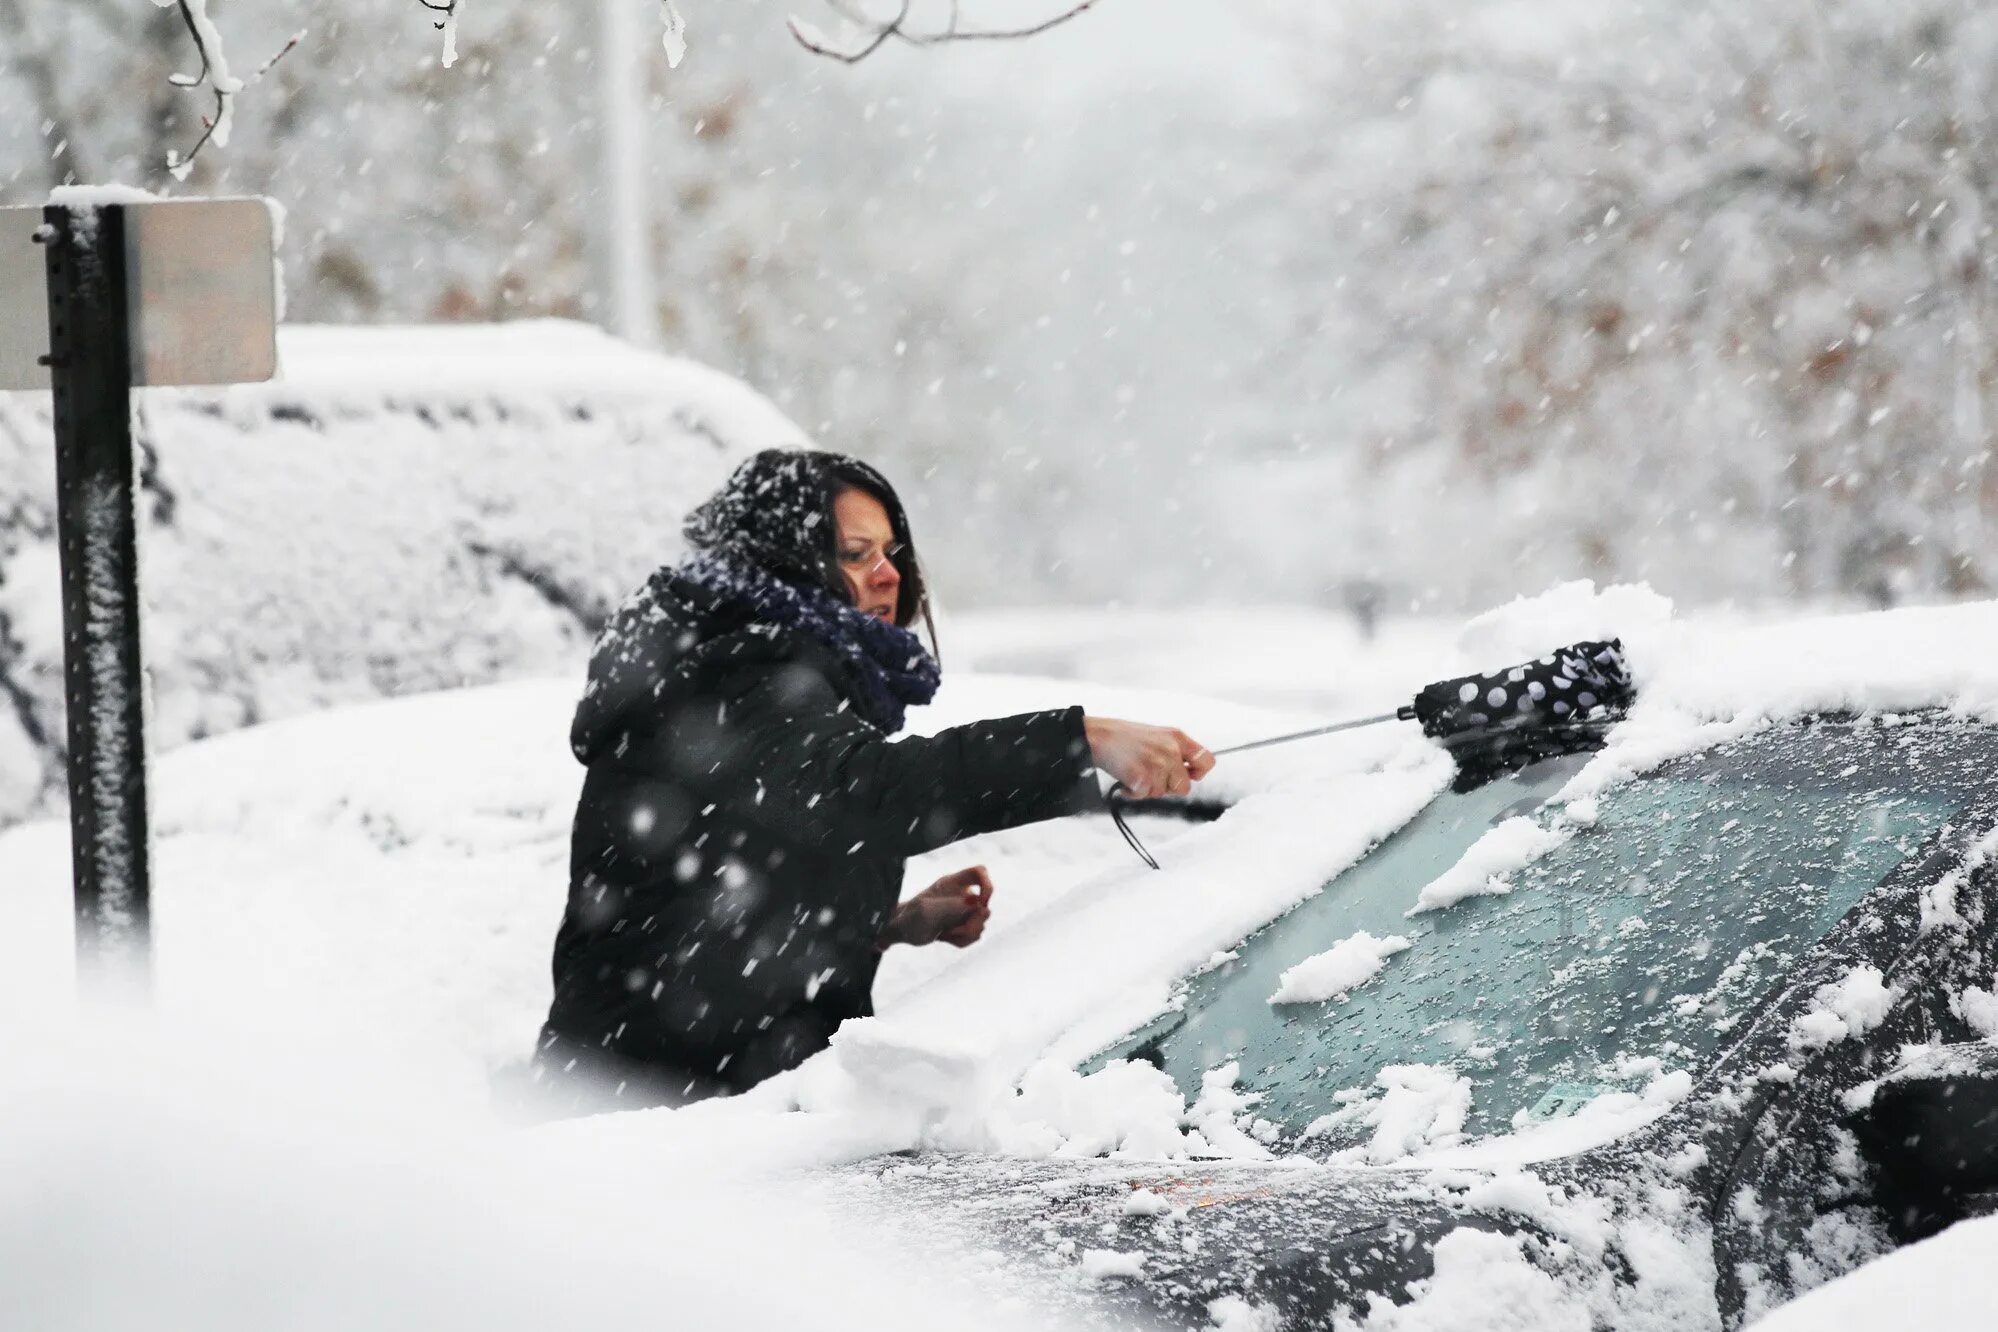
776	510
662	633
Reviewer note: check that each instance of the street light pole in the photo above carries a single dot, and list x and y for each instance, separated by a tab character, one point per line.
625	281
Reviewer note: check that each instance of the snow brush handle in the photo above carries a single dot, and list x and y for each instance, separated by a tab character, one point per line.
1404	713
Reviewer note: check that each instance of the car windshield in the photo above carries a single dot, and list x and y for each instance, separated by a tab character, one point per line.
1633	946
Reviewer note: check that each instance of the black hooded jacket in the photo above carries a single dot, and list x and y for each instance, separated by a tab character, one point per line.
739	843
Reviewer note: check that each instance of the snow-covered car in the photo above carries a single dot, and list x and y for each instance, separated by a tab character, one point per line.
404	510
1727	1007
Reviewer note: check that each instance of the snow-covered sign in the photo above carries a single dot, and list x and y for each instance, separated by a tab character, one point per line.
201	290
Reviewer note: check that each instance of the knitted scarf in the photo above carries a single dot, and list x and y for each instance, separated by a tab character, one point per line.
890	668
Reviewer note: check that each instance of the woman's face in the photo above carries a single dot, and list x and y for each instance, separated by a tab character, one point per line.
866	542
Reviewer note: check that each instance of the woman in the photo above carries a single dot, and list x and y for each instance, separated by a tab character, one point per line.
738	848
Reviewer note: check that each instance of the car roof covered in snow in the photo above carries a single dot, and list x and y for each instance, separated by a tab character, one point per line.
525	359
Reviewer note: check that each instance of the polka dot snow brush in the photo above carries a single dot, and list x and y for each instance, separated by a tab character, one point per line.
1568	685
1580	682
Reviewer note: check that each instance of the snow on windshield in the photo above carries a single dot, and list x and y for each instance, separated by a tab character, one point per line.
1625	951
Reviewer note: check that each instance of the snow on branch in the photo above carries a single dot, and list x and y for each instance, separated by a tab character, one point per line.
874	33
215	75
448	25
674	38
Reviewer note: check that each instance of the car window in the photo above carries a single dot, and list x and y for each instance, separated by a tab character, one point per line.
1646	936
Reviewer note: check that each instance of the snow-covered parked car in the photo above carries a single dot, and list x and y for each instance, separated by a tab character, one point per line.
1660	1031
1745	939
404	510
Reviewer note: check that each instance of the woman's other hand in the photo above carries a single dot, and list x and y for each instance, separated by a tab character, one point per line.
952	910
1148	760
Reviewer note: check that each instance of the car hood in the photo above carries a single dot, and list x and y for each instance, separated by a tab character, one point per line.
1154	1241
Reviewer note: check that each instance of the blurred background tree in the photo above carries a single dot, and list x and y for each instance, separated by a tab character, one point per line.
1423	302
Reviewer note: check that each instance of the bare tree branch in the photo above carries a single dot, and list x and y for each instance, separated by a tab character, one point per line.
215	74
957	34
880	38
879	33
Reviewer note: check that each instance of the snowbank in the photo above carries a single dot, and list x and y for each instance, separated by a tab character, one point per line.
160	1175
1944	1282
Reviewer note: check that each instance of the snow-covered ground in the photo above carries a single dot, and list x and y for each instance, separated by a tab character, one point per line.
353	913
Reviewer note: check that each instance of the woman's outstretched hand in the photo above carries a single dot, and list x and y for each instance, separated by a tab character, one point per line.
1148	760
952	910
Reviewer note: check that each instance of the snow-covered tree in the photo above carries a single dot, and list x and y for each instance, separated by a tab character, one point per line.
1689	291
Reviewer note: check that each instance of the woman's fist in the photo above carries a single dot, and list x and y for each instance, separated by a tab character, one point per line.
1148	760
952	910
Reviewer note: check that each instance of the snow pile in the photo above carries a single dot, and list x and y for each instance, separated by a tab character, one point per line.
1978	1007
206	1175
1717	672
1527	627
1111	1265
1554	1273
1702	683
1420	1106
1947	1281
1127	1109
1582	812
1483	869
1850	1007
1605	1118
1482	1281
1939	900
1232	1313
1890	661
1337	971
408	510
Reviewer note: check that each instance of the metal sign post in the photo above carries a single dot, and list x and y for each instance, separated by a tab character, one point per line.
90	370
164	292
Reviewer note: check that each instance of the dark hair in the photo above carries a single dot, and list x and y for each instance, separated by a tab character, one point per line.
912	602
